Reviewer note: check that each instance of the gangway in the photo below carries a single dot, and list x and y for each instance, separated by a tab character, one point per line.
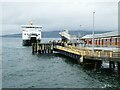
65	34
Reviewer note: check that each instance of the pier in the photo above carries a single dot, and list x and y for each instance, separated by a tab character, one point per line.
90	54
86	56
83	55
42	48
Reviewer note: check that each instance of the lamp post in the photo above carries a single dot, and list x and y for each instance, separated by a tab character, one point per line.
93	32
79	32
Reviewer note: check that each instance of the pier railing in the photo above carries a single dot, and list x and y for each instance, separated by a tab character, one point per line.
87	53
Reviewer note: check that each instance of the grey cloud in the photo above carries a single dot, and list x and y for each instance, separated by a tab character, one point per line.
58	15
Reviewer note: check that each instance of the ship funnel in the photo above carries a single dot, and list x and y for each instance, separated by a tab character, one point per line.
31	23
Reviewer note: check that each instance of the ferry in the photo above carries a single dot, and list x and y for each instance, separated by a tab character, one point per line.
31	33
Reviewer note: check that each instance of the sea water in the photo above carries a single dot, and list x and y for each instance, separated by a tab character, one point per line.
22	69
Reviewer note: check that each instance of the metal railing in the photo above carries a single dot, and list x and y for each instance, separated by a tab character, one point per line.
89	53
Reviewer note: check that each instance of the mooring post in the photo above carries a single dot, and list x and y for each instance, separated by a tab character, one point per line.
51	51
99	64
33	48
95	65
45	48
110	65
118	68
51	47
42	48
81	60
48	48
113	65
39	51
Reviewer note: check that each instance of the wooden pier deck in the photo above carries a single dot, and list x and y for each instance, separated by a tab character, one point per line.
89	54
96	57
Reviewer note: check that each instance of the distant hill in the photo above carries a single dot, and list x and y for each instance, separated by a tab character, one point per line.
12	35
55	34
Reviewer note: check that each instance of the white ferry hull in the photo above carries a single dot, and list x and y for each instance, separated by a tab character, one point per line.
31	34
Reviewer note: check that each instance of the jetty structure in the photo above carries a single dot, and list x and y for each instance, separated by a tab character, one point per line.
106	48
66	37
104	41
31	33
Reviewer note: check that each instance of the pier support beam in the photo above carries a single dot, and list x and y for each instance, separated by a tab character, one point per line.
97	65
118	68
93	64
34	48
39	51
80	60
111	65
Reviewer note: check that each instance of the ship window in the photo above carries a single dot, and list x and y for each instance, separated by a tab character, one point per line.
33	27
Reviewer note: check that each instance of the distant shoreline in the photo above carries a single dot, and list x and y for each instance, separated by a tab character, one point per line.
54	34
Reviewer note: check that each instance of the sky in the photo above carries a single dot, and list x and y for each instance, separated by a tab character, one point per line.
59	14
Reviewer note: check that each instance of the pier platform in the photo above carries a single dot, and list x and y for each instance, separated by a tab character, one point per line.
87	53
88	56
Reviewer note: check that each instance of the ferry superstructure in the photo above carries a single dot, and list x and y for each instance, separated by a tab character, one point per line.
29	32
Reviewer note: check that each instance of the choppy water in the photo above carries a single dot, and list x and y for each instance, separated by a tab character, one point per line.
21	69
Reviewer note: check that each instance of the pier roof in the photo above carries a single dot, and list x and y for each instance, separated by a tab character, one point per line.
102	35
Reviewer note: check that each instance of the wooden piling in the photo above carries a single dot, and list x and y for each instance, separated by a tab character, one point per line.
111	65
35	47
32	48
118	68
97	65
42	48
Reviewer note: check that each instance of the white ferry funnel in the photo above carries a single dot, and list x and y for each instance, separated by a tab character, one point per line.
31	23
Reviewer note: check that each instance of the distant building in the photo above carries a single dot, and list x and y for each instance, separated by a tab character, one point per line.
109	39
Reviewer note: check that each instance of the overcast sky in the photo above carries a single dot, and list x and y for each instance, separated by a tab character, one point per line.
59	14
